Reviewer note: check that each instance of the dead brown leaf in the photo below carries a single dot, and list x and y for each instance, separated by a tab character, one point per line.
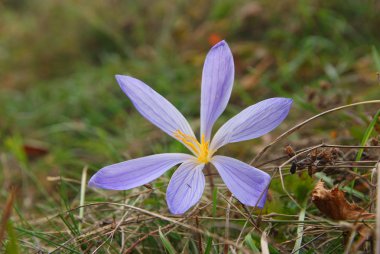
334	205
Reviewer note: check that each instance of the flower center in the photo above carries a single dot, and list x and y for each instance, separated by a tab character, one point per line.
201	150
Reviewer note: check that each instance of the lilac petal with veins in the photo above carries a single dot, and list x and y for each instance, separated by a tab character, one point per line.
132	173
185	187
154	107
252	122
217	83
248	184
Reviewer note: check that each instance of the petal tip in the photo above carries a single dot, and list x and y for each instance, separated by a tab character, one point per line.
288	103
122	78
261	206
283	100
92	182
222	43
125	82
119	78
175	212
266	176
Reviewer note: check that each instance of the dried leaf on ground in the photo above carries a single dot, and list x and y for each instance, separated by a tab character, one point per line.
334	205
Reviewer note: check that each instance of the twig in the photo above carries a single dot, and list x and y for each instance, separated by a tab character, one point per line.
210	176
227	226
312	240
300	125
350	241
177	222
133	246
199	235
345	146
325	145
286	162
229	202
293	221
251	218
378	211
249	213
7	213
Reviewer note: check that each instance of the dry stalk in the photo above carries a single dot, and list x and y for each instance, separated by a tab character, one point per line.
300	125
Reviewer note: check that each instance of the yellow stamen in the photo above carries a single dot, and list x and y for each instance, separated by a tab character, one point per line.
201	150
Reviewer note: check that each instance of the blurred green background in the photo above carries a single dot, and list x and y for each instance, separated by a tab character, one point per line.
61	108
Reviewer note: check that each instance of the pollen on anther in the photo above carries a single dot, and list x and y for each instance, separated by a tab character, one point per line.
201	150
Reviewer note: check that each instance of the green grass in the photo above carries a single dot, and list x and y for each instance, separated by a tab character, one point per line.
58	95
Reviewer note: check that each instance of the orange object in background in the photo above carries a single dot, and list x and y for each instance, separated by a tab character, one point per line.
214	39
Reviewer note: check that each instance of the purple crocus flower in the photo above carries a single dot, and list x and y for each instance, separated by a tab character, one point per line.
248	184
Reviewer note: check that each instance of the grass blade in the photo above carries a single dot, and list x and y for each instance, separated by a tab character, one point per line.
378	211
12	245
366	136
208	245
46	238
264	243
82	195
168	246
7	213
298	243
376	57
248	239
214	201
214	204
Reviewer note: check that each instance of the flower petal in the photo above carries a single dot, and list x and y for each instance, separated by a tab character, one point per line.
252	122
154	107
185	187
132	173
217	82
248	184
